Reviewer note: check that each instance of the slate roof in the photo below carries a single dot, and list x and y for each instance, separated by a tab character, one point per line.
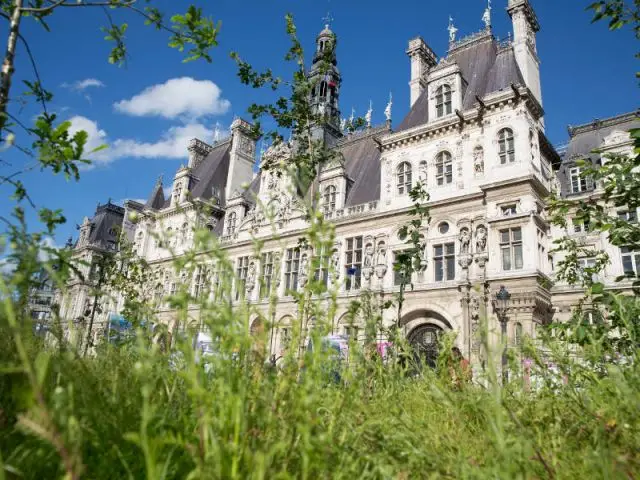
361	157
211	173
588	137
106	226
485	68
156	200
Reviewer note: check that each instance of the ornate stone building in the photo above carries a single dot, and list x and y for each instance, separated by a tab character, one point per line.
475	135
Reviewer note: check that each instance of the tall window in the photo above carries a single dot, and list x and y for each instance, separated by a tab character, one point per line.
403	174
443	101
353	263
291	268
630	216
506	146
351	331
444	168
586	265
200	282
329	198
511	248
630	261
579	181
177	193
580	226
321	264
518	334
231	223
266	274
444	260
241	274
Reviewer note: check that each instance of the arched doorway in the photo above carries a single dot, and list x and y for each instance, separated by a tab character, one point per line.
424	341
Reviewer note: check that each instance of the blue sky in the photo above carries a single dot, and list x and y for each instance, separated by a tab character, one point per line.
147	110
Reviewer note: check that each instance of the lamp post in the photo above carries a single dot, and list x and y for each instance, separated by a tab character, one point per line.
501	303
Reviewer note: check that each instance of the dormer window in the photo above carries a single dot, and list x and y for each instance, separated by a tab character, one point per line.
329	198
579	181
403	174
231	223
443	101
177	193
506	146
444	168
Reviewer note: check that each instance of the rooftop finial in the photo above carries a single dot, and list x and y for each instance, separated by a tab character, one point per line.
216	134
369	114
327	20
159	180
452	30
387	110
486	17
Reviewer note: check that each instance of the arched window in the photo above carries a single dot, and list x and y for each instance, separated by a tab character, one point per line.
403	174
231	223
177	193
329	198
506	147
323	89
444	168
443	101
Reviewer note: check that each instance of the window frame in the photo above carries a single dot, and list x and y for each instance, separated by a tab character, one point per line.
444	262
632	256
579	183
330	195
506	146
231	223
444	104
404	178
267	263
353	257
512	246
292	269
444	168
242	271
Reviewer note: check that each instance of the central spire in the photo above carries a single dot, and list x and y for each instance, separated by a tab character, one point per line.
325	79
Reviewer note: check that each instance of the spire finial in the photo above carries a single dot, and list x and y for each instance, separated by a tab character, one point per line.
486	17
387	110
159	180
452	30
327	19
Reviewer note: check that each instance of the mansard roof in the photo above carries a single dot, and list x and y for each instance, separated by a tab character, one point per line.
156	200
361	158
590	136
211	174
106	226
486	67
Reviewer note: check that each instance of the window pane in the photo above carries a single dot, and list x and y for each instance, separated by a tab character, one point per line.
506	258
450	248
627	264
438	270
517	253
451	268
437	250
504	236
517	234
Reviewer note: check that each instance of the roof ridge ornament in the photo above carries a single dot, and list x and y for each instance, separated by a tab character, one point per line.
452	30
486	17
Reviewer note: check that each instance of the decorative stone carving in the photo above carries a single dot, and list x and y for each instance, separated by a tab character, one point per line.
381	260
465	239
482	260
464	261
474	305
367	269
422	172
481	238
335	262
250	282
478	160
278	152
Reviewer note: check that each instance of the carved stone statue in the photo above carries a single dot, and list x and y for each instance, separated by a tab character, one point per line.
452	30
481	238
304	266
478	160
251	277
422	172
335	261
368	256
465	240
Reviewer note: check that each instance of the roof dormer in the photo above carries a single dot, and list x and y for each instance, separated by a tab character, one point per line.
445	86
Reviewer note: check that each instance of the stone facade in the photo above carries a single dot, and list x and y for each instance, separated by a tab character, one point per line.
475	137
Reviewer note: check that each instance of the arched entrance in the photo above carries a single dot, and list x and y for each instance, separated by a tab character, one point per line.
424	340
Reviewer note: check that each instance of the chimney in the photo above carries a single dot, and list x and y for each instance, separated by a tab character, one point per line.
422	60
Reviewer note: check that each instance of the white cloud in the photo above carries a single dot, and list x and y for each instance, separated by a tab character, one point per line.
177	97
172	144
82	85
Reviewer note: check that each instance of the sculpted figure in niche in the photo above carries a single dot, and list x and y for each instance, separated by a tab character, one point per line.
422	172
481	238
335	260
368	255
478	160
465	240
251	276
381	258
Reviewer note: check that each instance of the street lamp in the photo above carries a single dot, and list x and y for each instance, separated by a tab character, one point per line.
501	303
